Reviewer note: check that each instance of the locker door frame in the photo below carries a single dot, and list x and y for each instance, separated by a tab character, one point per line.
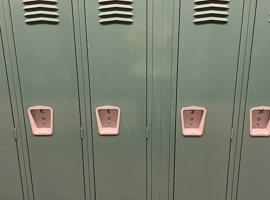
84	74
160	99
245	61
89	110
15	100
13	129
162	38
238	102
80	34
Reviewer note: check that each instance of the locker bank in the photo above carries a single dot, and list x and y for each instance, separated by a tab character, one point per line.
134	99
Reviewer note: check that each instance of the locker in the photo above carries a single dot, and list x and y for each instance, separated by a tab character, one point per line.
116	34
46	61
254	163
10	180
209	37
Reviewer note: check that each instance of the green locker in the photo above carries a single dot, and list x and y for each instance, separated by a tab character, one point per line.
116	34
254	175
10	180
46	61
207	67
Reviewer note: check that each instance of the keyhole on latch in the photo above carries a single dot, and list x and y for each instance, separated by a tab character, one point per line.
191	118
44	120
109	118
259	118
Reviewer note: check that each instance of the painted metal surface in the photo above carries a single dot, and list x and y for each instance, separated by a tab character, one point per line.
254	163
48	76
10	180
208	56
117	69
138	162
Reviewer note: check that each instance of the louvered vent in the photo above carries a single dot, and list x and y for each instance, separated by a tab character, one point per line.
41	11
211	11
115	11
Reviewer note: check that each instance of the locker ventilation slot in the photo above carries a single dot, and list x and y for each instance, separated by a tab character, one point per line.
41	11
115	11
211	11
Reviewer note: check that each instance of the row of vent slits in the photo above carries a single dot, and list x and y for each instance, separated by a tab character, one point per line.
41	11
115	11
211	11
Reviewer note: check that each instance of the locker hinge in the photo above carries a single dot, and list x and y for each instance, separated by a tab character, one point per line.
81	132
232	134
147	133
15	133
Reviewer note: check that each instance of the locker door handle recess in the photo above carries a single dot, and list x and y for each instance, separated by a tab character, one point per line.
108	118
260	121
193	119
41	120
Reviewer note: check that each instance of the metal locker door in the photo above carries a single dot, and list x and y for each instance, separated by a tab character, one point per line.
254	177
10	180
44	41
117	67
208	55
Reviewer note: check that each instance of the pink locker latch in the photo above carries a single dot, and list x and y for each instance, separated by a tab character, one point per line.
41	120
193	119
108	118
260	121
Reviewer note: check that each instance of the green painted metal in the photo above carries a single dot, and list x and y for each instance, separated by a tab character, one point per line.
15	101
10	180
150	69
117	70
254	162
240	97
83	82
207	69
47	73
163	97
